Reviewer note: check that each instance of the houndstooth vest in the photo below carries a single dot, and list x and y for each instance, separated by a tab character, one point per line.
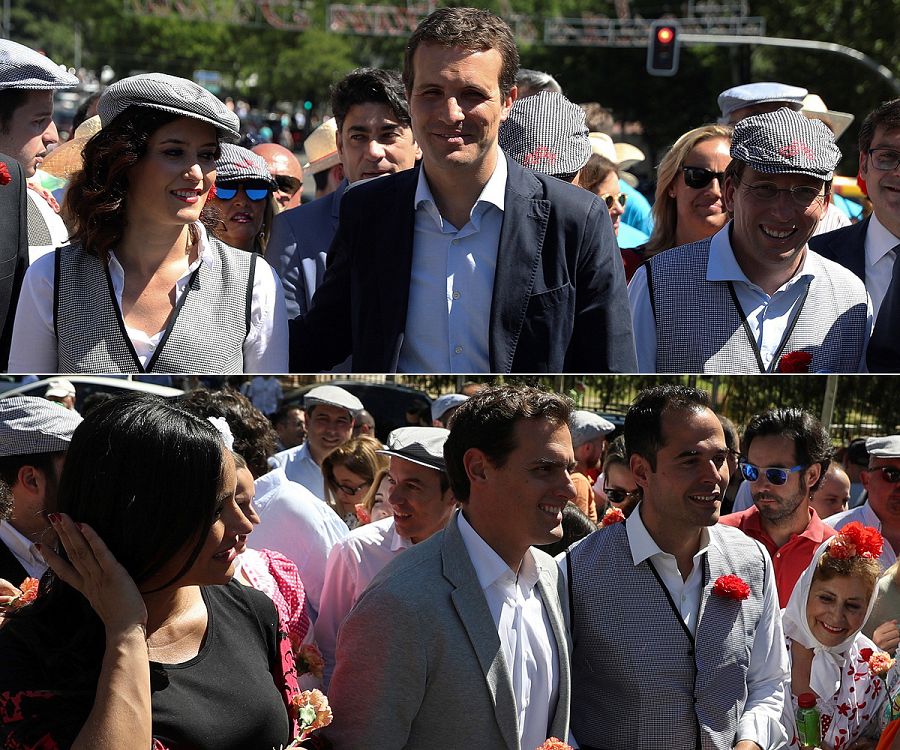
640	680
699	327
205	333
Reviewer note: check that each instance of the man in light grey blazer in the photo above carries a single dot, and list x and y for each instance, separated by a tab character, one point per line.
460	641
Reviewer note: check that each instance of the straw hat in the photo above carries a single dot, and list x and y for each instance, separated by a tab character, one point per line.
814	108
321	148
65	160
623	155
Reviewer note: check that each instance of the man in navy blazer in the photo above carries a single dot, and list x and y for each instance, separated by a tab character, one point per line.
469	263
373	138
869	248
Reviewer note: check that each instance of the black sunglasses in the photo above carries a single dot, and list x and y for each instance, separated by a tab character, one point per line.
227	192
620	496
774	474
888	473
287	184
700	177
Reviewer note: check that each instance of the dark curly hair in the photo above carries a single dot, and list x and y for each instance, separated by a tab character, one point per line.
96	198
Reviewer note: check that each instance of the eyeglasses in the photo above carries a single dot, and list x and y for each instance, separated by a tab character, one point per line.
351	491
700	177
287	184
611	199
802	195
620	496
885	159
888	473
774	474
227	192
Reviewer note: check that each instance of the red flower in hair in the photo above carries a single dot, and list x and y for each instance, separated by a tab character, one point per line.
856	540
5	177
795	362
731	587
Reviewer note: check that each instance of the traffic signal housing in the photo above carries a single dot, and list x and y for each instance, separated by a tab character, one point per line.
663	48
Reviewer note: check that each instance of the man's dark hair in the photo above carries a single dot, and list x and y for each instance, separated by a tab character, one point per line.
10	101
643	422
369	86
281	413
487	421
812	443
321	179
10	465
886	115
254	437
732	438
597	118
470	29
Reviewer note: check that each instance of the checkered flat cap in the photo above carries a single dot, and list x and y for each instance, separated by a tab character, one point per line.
546	133
35	425
23	68
237	164
170	94
786	142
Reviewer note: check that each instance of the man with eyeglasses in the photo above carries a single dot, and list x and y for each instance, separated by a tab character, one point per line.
753	297
422	503
869	248
786	455
882	506
373	138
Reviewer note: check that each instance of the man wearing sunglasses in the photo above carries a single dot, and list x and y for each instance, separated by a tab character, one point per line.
373	138
786	454
753	297
869	248
286	169
882	506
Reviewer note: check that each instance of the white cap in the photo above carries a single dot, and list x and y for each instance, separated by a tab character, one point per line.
60	388
442	404
884	447
586	425
332	395
421	445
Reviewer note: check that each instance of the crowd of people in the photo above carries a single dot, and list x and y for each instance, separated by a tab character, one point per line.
175	573
498	236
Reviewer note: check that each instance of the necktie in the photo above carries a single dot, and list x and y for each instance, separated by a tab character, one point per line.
883	354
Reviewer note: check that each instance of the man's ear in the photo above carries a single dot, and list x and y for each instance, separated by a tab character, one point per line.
476	464
31	479
641	470
813	472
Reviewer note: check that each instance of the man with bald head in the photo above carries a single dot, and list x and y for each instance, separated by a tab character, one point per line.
286	169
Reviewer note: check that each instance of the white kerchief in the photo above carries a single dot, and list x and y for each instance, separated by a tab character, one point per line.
828	661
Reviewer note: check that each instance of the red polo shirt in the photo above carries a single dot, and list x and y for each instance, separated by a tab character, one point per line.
793	557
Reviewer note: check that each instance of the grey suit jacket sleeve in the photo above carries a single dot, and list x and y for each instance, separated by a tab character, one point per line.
379	681
280	254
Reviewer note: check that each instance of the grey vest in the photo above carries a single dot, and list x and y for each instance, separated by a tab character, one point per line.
205	333
640	680
699	327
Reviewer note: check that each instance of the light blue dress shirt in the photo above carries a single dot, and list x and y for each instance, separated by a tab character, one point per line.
452	282
768	316
301	467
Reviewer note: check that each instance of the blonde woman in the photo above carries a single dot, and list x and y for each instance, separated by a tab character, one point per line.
349	471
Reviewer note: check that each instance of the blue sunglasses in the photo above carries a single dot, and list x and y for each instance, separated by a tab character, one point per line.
226	193
775	475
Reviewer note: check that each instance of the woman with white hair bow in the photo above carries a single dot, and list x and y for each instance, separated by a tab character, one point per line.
830	657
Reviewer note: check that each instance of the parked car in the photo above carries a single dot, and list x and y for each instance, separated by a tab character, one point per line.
85	385
388	403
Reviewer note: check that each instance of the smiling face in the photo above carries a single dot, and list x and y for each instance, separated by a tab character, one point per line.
373	142
684	492
242	218
349	487
327	427
381	508
700	211
420	508
883	186
30	131
836	608
771	235
457	107
170	183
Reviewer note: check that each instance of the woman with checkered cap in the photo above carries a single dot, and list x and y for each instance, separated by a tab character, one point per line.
144	287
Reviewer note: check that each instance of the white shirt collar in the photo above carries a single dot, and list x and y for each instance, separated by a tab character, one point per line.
723	266
494	192
489	566
23	550
879	240
398	542
643	545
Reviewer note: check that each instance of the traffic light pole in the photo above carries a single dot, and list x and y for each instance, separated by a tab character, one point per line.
771	41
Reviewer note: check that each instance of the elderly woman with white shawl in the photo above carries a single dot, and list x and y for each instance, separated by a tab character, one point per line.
830	657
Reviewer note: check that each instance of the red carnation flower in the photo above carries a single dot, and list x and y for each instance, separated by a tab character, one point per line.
362	515
865	654
731	587
612	515
212	191
5	177
856	540
795	362
555	743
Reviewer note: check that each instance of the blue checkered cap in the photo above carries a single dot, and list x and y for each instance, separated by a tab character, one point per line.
237	164
786	142
546	133
170	94
35	425
23	68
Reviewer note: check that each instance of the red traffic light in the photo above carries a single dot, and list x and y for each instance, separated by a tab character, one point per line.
665	34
